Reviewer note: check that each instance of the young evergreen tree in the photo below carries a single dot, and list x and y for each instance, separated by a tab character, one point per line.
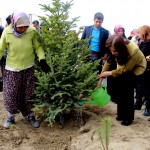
71	73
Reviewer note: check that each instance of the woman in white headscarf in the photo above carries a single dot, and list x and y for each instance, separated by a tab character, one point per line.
22	42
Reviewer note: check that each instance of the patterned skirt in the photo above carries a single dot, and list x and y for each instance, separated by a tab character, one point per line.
18	89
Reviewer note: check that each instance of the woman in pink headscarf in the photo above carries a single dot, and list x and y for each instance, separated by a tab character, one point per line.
22	42
119	30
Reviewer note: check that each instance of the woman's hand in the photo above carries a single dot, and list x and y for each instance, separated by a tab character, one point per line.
105	74
148	58
99	82
105	57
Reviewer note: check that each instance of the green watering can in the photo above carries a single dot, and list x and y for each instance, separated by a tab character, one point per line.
99	96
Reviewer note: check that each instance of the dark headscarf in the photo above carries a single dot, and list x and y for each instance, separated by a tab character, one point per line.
1	30
8	20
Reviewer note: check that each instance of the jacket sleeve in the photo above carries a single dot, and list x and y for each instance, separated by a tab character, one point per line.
3	44
106	66
145	49
136	63
37	43
84	34
110	63
103	39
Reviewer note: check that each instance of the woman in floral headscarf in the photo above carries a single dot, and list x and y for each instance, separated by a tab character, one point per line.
22	42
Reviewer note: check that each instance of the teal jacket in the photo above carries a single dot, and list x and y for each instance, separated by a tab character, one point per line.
21	50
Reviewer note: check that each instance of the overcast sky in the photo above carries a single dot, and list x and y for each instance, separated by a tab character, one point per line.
129	13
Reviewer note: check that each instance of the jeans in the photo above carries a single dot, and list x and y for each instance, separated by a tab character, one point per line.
93	57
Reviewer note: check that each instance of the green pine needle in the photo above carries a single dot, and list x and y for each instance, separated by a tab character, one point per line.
104	132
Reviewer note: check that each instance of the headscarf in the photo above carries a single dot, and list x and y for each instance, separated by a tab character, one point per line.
19	19
116	29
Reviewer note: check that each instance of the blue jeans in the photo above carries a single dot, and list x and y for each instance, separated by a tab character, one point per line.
93	57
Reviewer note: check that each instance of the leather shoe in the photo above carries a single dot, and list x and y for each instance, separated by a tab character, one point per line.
126	122
118	119
136	107
138	104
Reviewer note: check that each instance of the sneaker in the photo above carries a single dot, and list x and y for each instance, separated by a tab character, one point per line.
147	112
9	122
33	121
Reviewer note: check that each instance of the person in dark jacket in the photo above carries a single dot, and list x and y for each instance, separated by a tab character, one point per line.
1	79
3	59
144	34
1	30
97	36
36	24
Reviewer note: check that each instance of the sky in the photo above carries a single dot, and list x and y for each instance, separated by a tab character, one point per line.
131	14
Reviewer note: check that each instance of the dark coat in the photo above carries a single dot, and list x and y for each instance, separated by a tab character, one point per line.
145	48
87	33
1	30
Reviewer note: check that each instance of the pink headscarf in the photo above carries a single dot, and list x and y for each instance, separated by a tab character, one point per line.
116	29
20	19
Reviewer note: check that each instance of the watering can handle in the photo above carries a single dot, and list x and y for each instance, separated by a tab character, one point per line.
99	82
104	87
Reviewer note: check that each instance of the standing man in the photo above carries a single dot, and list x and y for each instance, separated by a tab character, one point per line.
97	38
36	24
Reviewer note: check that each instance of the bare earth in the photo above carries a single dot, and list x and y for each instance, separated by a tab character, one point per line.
23	136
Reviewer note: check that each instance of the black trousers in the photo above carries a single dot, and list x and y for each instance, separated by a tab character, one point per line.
147	88
124	93
139	89
111	83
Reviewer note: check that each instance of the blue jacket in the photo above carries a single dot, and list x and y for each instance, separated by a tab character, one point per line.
87	33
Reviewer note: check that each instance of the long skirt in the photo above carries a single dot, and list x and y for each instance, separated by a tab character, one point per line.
18	90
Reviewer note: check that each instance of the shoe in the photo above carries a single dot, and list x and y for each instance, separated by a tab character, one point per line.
114	99
33	121
148	119
118	119
126	122
147	112
138	106
9	122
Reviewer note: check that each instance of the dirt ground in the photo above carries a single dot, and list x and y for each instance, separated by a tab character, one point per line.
77	134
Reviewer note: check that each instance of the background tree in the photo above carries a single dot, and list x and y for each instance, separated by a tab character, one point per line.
71	74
